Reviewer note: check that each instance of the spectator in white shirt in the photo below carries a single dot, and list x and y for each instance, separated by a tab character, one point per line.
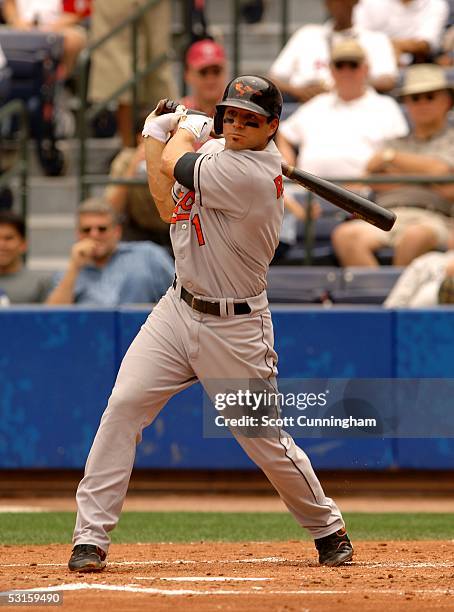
424	211
415	26
2	58
336	133
302	71
426	282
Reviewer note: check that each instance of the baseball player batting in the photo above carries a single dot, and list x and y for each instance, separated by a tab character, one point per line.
225	207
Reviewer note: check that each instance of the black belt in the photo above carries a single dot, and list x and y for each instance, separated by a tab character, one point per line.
207	307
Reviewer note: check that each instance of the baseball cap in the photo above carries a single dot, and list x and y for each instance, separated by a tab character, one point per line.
205	53
348	49
422	78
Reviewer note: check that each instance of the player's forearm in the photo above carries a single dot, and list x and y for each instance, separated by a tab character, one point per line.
159	184
182	142
64	291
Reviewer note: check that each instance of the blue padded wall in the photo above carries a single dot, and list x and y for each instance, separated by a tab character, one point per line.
57	367
337	343
425	349
56	370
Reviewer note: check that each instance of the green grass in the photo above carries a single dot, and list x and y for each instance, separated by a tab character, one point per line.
56	527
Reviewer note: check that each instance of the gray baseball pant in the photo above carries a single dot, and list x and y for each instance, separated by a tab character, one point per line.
174	348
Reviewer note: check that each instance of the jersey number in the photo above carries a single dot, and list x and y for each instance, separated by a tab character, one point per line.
198	229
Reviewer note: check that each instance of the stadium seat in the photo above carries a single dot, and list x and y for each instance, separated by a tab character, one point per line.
291	284
5	83
33	58
365	285
289	108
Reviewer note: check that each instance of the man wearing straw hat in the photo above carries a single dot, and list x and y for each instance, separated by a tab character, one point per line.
424	210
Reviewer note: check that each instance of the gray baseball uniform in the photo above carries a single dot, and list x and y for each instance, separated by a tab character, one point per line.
224	234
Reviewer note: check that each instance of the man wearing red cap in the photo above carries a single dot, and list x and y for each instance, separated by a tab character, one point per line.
205	75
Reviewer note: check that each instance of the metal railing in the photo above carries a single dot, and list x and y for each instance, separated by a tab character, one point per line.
16	108
85	115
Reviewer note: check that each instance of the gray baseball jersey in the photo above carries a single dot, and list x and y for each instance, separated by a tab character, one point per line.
224	234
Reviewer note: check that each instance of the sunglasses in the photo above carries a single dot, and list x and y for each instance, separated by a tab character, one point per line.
213	70
430	95
102	229
341	64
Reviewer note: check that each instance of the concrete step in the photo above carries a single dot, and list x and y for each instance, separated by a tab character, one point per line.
56	195
47	264
50	235
300	11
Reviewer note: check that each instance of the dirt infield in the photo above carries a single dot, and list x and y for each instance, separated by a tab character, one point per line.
272	576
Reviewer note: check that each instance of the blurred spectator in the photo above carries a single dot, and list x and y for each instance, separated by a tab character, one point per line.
415	27
427	281
106	272
134	204
337	132
19	284
446	56
111	63
49	16
2	58
206	75
302	67
196	19
424	211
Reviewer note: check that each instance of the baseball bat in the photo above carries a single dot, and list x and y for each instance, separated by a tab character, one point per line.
353	203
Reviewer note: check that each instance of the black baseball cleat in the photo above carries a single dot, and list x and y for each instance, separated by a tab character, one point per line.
87	558
335	549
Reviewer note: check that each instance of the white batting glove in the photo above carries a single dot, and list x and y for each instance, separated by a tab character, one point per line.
199	125
160	126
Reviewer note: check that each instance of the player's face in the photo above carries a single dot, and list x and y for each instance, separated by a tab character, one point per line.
102	231
12	247
244	129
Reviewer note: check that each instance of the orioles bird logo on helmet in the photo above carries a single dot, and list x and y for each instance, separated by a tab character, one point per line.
243	89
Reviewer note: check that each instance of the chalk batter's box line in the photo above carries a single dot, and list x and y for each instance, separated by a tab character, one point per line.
276	560
83	586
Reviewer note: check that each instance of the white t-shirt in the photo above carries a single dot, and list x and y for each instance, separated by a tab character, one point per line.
2	58
45	11
337	138
419	19
419	283
306	55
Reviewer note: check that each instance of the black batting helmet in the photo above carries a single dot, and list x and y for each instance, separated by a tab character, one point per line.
254	93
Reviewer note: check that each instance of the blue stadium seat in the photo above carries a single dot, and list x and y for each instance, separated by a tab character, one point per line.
5	83
33	58
292	284
365	285
288	109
